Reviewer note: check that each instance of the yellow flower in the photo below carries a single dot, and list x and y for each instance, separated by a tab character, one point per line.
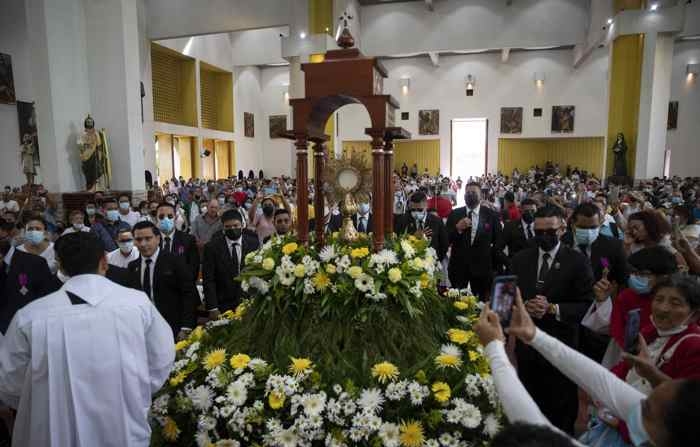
424	280
473	356
321	281
276	400
330	268
182	344
471	300
178	379
268	264
442	392
196	334
170	430
411	434
417	264
412	238
214	359
443	361
239	361
355	272
290	248
299	271
459	336
385	371
240	311
229	315
394	275
359	252
461	305
300	365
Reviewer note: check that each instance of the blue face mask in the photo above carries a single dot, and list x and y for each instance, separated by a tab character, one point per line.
676	200
635	426
35	237
586	236
112	215
166	225
639	284
364	208
124	205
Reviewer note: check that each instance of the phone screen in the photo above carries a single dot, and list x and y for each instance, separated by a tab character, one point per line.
503	297
632	331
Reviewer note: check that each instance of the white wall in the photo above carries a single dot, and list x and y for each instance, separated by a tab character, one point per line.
246	92
257	47
498	85
277	153
684	142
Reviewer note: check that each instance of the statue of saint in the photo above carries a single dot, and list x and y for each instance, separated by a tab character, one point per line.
94	157
619	150
27	158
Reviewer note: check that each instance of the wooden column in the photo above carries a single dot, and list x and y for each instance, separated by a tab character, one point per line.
388	186
302	146
378	196
319	166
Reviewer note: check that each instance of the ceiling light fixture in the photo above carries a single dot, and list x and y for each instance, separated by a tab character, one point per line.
654	6
302	35
471	81
405	84
539	79
610	21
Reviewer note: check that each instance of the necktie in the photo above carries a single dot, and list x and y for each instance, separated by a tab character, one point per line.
529	232
363	225
544	270
147	278
234	258
471	229
584	249
168	245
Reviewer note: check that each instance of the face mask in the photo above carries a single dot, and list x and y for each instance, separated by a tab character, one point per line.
124	205
363	208
112	215
166	225
126	247
222	201
268	210
90	211
233	233
78	226
586	236
471	199
35	237
528	217
418	215
635	426
670	332
639	284
546	242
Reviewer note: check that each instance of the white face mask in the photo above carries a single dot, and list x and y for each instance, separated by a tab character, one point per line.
673	331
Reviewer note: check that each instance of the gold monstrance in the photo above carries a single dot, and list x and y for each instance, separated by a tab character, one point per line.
347	182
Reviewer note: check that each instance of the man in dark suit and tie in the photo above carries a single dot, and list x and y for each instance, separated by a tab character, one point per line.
177	242
166	279
363	218
419	222
24	277
519	234
556	283
474	233
224	258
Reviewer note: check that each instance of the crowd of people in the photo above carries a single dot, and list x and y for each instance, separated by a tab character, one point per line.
592	261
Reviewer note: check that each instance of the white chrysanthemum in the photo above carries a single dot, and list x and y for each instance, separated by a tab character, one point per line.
287	438
388	257
431	443
472	382
389	434
471	416
206	423
364	283
450	349
309	288
371	400
337	389
314	404
491	425
160	405
237	393
396	390
453	293
227	443
343	263
257	363
408	249
415	290
327	253
260	284
376	296
245	285
202	439
257	259
201	397
285	276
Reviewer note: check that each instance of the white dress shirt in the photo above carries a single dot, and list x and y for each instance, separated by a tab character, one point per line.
118	259
132	217
71	230
153	258
10	205
475	220
82	375
525	227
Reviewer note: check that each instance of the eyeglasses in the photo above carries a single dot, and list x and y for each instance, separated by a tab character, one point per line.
163	216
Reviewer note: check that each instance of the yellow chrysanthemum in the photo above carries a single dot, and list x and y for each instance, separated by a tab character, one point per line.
394	275
299	270
355	272
321	281
290	248
229	315
385	372
182	344
268	264
170	430
424	280
469	299
215	358
359	252
459	336
300	365
239	361
412	238
473	356
461	305
441	391
196	334
240	311
411	434
276	400
178	378
330	268
443	361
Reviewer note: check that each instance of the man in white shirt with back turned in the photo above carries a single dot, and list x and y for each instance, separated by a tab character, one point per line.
81	364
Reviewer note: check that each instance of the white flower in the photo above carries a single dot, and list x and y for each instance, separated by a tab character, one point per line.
431	443
472	381
396	390
364	283
206	423
201	397
327	253
389	434
286	277
237	393
453	293
202	439
415	290
417	393
450	349
314	404
287	438
227	443
309	288
245	286
408	249
337	389
256	364
160	405
472	416
376	296
342	264
260	284
491	425
371	400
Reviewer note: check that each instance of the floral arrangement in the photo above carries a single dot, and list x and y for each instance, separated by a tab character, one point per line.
362	361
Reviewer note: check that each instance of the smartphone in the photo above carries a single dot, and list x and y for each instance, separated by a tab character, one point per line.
632	331
503	297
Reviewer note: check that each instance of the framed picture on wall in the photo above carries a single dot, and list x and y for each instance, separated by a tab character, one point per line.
248	124
428	122
511	119
26	117
7	83
672	115
278	126
563	119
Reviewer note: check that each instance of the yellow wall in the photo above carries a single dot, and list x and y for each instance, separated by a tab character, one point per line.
321	16
523	153
223	152
165	158
426	153
174	94
184	150
216	88
196	159
208	162
355	149
232	158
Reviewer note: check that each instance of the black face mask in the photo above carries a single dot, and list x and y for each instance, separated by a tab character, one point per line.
233	233
471	199
528	217
268	210
546	241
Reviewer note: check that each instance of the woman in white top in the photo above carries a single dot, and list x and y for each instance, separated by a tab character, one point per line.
36	242
665	418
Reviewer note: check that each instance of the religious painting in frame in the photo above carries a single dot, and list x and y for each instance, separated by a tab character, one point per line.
563	119
278	126
672	115
7	83
428	122
511	119
26	116
249	124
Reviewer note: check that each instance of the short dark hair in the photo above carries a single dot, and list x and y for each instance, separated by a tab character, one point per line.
688	286
146	224
585	209
530	435
418	197
79	253
477	184
231	215
36	218
528	201
548	211
124	230
509	196
109	200
658	260
166	204
681	415
121	196
653	223
280	211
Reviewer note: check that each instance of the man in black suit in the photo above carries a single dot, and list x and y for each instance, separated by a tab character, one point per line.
177	242
519	234
224	258
166	279
474	232
419	222
363	218
556	283
24	277
607	259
